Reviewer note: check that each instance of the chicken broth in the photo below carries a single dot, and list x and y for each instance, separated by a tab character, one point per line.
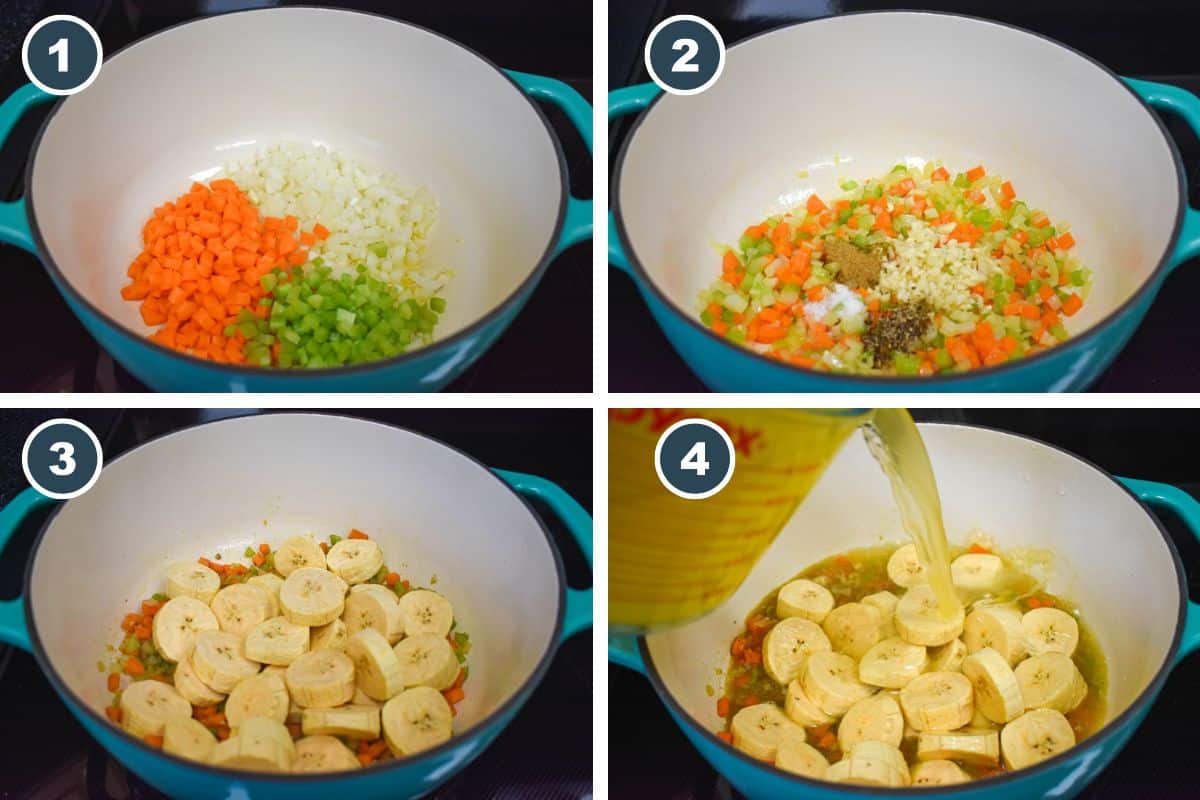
864	578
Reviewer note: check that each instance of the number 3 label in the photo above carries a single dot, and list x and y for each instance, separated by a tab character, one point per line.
66	458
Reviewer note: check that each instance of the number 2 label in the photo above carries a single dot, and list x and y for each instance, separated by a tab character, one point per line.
684	62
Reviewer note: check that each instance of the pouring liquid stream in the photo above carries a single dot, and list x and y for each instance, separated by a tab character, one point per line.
894	441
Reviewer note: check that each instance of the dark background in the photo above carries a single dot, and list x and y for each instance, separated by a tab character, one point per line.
1153	39
542	36
658	762
48	756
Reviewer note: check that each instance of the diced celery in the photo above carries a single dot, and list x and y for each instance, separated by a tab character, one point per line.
380	249
906	363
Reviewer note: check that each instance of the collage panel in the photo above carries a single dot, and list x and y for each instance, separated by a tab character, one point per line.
372	197
383	603
861	197
996	599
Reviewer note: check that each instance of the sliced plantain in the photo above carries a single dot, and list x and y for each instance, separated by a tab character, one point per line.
831	681
271	584
220	662
885	602
1049	630
919	619
424	660
354	560
979	747
415	720
276	641
997	627
976	573
297	552
192	579
378	670
361	698
356	722
176	625
937	701
997	692
796	755
904	567
329	637
146	706
1035	736
256	747
423	611
892	663
758	730
873	719
871	764
1051	681
938	773
853	628
320	679
188	738
240	606
323	754
947	657
370	605
263	695
802	710
311	596
194	690
788	644
805	599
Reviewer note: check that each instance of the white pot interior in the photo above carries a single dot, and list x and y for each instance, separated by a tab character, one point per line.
1108	554
1072	140
179	104
221	487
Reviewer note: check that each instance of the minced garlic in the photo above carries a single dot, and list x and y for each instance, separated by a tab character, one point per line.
929	267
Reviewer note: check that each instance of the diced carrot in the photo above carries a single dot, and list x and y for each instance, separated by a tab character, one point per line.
153	740
978	549
940	174
725	736
391	579
453	695
975	173
738	647
723	707
355	533
1072	305
320	231
258	559
1066	241
134	667
1007	191
114	681
113	713
815	205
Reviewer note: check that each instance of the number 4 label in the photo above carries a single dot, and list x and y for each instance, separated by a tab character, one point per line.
695	461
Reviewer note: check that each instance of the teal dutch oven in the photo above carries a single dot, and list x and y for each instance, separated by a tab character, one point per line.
178	104
1110	556
223	486
799	108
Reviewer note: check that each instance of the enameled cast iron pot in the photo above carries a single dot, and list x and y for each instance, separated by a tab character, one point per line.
1111	556
178	104
849	97
224	485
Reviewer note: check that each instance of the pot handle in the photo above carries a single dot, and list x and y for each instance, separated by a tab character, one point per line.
577	224
578	612
627	100
13	226
1186	105
1164	495
623	650
12	612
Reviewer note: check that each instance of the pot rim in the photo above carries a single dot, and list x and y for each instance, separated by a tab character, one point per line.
903	382
426	758
531	280
1109	729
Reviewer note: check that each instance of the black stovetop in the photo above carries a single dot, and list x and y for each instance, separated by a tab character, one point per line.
1152	39
551	39
650	758
48	755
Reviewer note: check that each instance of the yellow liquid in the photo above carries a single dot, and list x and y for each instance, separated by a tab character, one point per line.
672	560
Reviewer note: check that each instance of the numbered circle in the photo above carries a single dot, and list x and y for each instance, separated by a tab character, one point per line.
685	54
62	54
694	458
62	458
